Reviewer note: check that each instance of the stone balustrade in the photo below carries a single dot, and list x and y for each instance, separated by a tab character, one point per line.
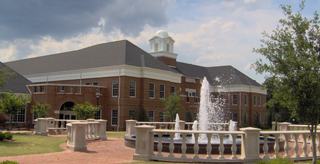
250	141
78	131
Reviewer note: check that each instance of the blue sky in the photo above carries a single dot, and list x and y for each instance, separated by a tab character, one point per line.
207	33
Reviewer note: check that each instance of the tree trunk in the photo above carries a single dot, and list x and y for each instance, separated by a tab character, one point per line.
10	122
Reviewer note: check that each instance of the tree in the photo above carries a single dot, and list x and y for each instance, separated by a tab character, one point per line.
244	122
189	116
85	110
172	105
256	122
142	116
40	110
11	104
293	65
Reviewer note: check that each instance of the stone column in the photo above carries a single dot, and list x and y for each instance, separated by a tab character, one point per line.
250	149
50	122
182	124
274	125
144	143
78	136
102	129
130	127
284	126
41	127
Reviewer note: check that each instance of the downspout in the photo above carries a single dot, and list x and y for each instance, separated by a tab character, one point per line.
119	100
80	80
240	108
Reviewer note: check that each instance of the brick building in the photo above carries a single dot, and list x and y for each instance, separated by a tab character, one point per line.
119	76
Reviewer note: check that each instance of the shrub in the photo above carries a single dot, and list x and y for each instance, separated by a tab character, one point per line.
8	135
2	136
276	161
9	162
3	118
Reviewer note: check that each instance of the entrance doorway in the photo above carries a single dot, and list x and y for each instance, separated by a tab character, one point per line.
66	111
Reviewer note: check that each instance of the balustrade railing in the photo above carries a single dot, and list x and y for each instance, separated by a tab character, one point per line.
296	141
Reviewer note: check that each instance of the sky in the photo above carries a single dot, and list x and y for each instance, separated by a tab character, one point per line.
206	32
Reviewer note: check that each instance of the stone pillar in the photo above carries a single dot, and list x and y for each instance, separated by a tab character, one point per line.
250	149
144	143
41	127
182	124
130	127
102	129
284	126
50	122
78	135
274	125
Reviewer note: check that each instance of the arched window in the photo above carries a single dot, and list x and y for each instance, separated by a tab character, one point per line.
156	47
167	47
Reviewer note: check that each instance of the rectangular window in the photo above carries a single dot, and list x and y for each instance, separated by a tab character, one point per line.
172	90
161	91
35	89
20	117
115	88
187	99
131	114
114	117
245	100
151	90
87	83
195	116
132	89
161	116
254	100
95	83
97	115
259	100
234	116
151	116
195	99
234	99
61	88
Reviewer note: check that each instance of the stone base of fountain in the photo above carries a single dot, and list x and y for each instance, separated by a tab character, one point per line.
130	141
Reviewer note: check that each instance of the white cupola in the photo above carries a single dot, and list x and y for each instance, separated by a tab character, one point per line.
161	47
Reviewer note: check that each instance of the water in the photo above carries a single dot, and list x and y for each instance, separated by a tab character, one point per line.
177	127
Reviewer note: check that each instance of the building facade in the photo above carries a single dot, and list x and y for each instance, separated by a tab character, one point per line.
120	77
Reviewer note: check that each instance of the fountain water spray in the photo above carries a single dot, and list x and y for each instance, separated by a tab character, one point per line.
177	127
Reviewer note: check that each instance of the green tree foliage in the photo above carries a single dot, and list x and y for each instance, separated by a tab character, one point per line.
40	110
189	116
142	116
293	65
244	122
256	122
3	118
172	106
5	74
135	117
11	104
85	110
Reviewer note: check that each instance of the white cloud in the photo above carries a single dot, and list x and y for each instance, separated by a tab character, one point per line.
7	54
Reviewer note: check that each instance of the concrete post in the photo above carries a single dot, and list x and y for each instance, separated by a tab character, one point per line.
284	126
274	125
250	149
130	127
182	124
78	135
102	129
50	122
144	143
41	127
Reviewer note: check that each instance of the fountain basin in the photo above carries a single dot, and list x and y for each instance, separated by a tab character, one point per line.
130	142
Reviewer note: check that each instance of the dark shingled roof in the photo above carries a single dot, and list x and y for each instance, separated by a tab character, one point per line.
16	84
227	75
115	53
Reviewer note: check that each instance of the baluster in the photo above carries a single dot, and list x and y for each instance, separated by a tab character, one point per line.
221	147
86	130
171	146
296	146
209	148
160	145
234	146
318	146
196	146
189	127
184	145
311	148
286	145
95	131
276	146
265	146
304	146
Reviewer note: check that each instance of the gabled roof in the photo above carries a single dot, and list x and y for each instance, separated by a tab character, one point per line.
16	84
226	75
115	53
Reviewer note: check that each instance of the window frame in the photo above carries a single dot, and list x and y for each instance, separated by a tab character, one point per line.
234	116
113	89
255	100
162	117
16	119
112	117
151	91
131	114
132	89
174	90
245	100
162	92
152	111
97	115
234	99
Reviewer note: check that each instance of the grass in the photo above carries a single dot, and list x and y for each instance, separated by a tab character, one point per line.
115	134
24	144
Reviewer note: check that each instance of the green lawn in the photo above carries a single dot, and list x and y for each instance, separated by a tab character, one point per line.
24	144
115	134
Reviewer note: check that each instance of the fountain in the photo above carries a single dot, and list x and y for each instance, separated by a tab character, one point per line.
177	127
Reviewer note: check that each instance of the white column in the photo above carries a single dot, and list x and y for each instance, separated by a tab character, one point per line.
102	129
78	136
130	127
41	127
250	149
144	143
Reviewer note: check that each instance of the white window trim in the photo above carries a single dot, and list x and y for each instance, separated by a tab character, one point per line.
135	89
164	91
154	88
95	114
25	117
152	116
112	118
233	98
113	88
